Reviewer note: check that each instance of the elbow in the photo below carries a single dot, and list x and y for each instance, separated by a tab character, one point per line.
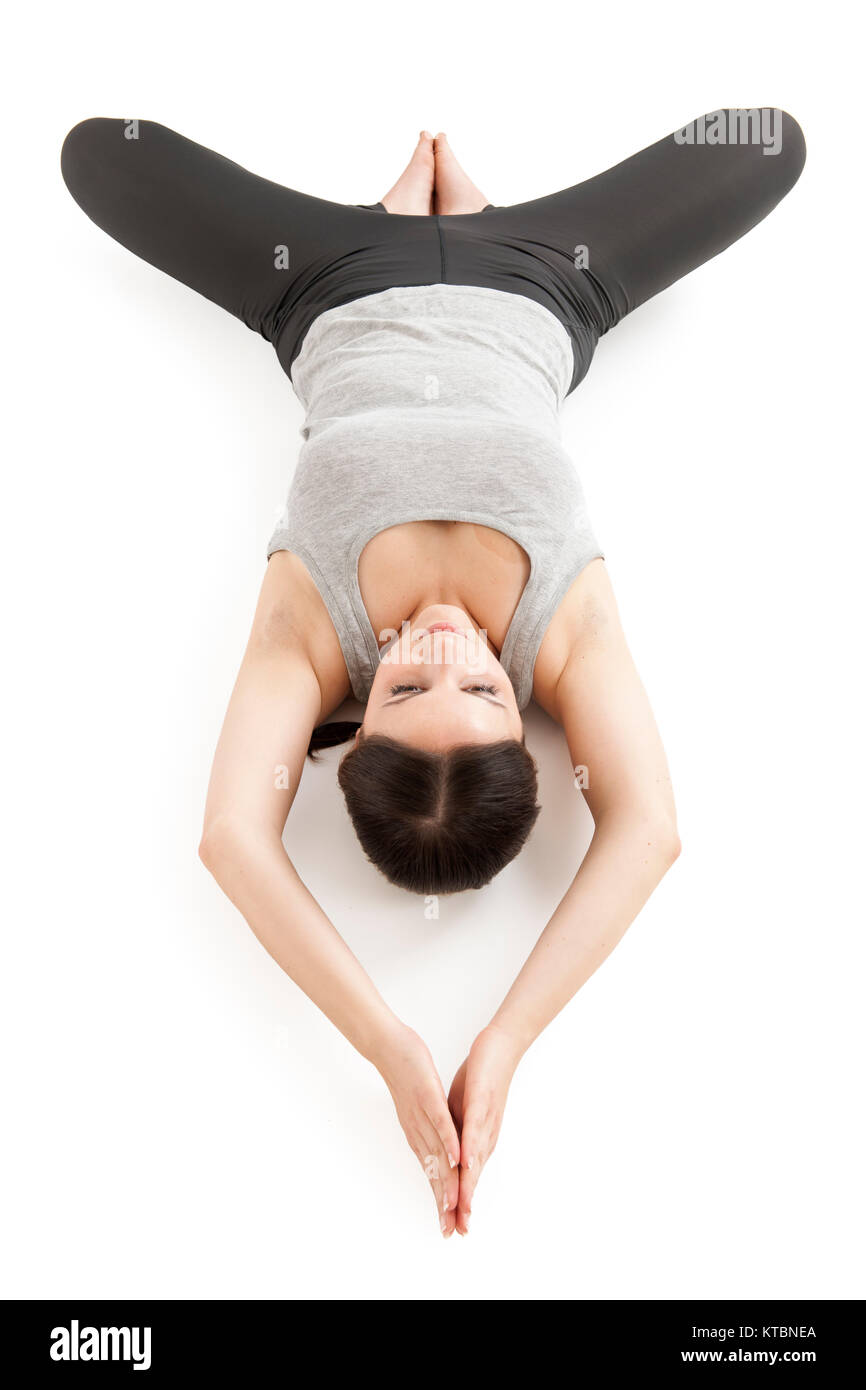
207	850
649	836
229	842
218	844
674	848
657	838
667	844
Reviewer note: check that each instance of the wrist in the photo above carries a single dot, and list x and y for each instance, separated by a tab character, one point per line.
513	1039
388	1041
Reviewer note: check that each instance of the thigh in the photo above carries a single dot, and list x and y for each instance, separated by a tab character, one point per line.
638	227
238	239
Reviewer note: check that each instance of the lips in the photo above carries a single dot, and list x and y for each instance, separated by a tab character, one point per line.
442	627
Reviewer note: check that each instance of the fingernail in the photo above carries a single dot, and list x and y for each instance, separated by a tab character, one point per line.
466	1222
442	1224
452	1161
471	1161
445	1204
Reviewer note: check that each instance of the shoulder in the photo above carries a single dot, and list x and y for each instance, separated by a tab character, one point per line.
292	622
587	619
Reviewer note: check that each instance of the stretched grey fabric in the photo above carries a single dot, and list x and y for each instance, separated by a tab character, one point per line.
435	402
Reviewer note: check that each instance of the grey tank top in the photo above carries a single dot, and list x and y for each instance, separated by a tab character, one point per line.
435	402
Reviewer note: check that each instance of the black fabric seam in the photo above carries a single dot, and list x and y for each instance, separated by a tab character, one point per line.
441	251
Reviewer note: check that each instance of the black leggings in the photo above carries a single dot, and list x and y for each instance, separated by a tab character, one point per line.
277	259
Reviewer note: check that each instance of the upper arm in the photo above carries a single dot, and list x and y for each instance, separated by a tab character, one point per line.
587	680
291	676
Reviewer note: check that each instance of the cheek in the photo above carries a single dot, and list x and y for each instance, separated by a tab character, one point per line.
392	665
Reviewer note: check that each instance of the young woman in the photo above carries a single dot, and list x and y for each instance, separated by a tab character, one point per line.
435	558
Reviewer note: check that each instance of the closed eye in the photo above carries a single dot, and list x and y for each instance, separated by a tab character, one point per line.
397	690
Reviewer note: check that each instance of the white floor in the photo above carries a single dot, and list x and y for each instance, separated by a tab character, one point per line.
180	1121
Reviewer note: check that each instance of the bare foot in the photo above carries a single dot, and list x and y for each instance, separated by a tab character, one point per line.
412	194
454	191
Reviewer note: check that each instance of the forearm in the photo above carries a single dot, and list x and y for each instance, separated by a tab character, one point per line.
254	871
624	864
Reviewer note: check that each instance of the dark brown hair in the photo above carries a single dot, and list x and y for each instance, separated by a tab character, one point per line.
436	822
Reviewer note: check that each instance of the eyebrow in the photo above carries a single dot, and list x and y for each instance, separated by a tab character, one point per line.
409	694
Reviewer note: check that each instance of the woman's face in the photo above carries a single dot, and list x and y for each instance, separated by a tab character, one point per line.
439	684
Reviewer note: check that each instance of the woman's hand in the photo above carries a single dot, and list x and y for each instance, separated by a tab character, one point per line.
419	1096
477	1102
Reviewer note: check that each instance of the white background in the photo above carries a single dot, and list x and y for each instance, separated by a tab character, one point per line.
180	1121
